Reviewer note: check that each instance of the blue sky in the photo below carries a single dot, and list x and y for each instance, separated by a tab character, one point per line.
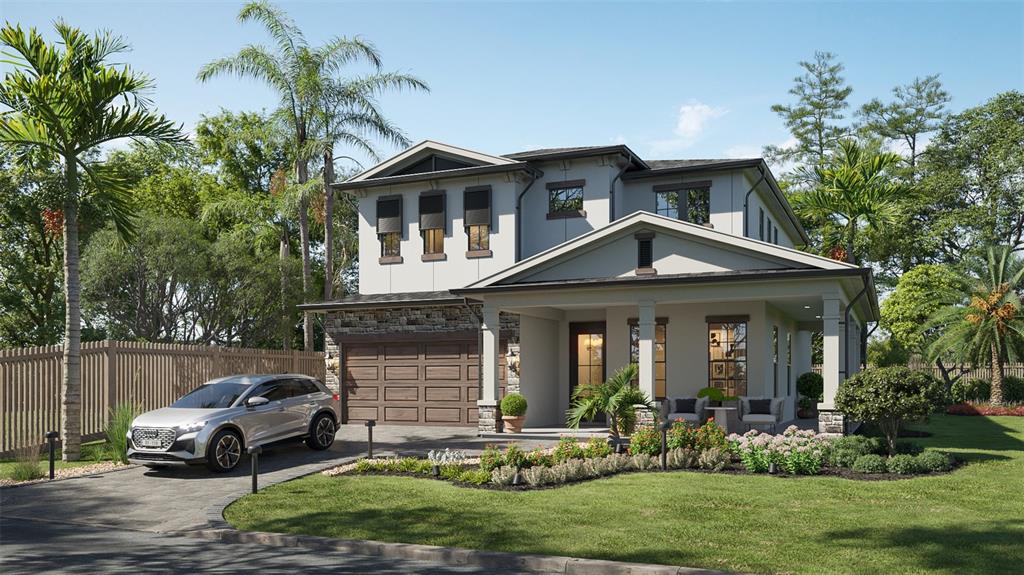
671	80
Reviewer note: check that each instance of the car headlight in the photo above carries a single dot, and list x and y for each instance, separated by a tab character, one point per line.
190	427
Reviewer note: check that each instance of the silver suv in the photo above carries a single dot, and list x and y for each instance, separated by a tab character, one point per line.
216	422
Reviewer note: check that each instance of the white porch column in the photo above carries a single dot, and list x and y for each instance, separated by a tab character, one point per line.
487	405
645	322
829	420
802	352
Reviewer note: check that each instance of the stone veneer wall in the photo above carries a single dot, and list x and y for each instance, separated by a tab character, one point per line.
410	320
831	422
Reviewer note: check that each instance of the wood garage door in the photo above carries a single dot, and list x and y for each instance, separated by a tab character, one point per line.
413	382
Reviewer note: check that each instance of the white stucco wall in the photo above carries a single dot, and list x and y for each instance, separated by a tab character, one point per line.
538	371
413	274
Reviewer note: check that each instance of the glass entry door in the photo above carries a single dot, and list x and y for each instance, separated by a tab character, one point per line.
586	355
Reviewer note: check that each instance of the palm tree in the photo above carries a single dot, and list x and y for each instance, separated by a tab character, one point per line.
64	102
348	113
855	186
989	328
615	398
297	72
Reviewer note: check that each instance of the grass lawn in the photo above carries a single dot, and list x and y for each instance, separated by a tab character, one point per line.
91	453
970	521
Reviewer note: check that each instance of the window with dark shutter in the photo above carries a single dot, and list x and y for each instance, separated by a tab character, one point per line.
389	215
644	252
432	212
477	204
760	229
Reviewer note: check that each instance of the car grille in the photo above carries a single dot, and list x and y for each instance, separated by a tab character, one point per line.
147	438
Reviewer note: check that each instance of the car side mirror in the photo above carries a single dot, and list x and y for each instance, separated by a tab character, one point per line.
256	402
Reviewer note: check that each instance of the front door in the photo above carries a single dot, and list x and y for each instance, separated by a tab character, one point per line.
586	354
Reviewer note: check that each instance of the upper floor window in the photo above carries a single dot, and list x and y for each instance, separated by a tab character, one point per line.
565	199
477	219
689	201
432	224
389	228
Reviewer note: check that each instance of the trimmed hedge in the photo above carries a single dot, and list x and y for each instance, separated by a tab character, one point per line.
978	390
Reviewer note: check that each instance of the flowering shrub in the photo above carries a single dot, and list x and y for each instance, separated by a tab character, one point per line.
568	448
515	456
708	436
795	451
645	441
539	458
596	447
985	409
491	458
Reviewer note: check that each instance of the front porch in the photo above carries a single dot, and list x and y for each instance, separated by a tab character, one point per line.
683	338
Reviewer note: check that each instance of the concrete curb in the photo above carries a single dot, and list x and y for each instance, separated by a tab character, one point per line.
449	555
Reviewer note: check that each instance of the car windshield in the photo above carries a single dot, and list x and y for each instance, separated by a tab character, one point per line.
212	395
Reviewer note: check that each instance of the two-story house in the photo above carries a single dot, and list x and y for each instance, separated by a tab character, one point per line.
543	270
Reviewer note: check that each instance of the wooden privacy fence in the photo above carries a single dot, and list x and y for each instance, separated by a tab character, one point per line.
150	375
981	372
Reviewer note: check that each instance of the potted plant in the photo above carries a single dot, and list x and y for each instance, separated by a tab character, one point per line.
715	396
810	386
513	412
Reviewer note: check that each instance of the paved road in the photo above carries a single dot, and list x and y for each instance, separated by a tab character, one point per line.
129	519
31	547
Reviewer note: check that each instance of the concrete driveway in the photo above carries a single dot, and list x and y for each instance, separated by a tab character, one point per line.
107	512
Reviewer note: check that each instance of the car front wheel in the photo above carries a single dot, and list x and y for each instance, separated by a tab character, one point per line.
321	432
225	451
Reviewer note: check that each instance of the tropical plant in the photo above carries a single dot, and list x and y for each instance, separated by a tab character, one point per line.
312	99
116	431
889	396
990	327
855	186
63	102
615	398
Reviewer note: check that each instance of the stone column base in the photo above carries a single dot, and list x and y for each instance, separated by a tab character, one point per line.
645	416
831	421
488	420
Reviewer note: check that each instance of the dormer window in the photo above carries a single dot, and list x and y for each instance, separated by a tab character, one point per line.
389	229
645	253
477	219
565	199
432	224
687	201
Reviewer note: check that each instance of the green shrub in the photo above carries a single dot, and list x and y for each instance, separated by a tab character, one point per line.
118	426
539	458
710	436
870	463
846	450
513	405
366	466
977	390
645	441
414	465
515	456
567	448
811	385
475	476
934	461
903	464
712	393
451	472
844	457
681	436
26	466
889	396
597	447
491	459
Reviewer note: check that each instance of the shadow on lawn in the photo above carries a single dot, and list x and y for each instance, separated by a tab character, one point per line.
995	548
973	438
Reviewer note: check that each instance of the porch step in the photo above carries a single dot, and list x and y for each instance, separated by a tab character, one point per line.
549	434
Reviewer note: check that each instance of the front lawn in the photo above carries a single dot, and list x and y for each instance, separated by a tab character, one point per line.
968	521
95	452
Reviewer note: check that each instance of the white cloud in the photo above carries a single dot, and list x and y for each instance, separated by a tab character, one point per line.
692	120
743	151
618	140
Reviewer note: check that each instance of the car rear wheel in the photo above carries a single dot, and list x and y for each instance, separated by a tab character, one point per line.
225	451
321	432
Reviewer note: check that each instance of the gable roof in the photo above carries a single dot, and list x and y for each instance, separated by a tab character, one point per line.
792	259
424	149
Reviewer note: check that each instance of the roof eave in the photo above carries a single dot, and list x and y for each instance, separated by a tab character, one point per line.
616	149
656	173
423	176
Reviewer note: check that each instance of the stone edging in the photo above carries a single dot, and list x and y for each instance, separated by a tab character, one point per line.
450	555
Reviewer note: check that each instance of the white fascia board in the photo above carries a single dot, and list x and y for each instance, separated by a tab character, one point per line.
430	145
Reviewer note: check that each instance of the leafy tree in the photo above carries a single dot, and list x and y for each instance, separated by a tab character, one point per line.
855	186
990	328
917	109
814	120
247	148
296	71
888	397
973	184
63	101
887	352
31	286
615	398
